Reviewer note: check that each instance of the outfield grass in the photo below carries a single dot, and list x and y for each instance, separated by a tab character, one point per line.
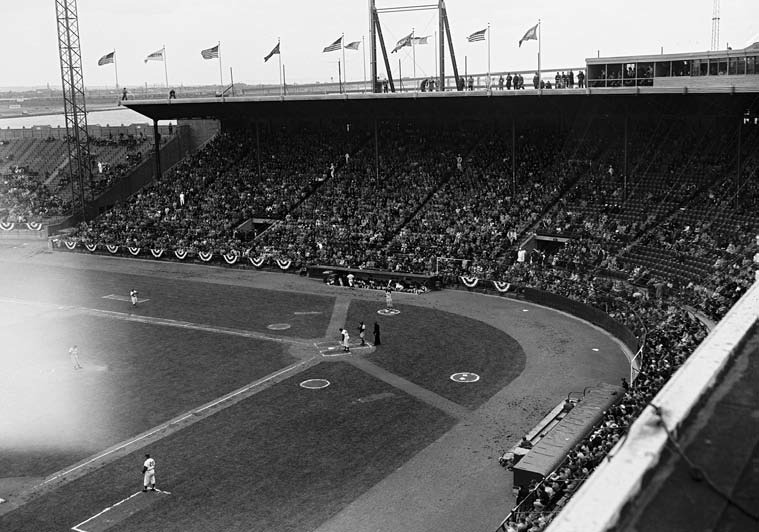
285	459
135	376
179	299
426	346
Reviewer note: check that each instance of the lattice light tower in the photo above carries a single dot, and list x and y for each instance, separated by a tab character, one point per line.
715	25
80	168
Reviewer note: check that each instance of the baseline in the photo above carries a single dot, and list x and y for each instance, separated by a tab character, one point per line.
116	513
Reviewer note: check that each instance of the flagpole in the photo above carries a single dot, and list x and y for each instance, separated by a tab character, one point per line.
279	57
488	83
413	53
539	45
165	67
345	65
115	68
436	74
221	76
363	50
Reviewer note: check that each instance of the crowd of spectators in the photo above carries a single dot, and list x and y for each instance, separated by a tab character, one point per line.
24	198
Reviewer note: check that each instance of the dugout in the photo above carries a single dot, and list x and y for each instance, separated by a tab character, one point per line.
548	454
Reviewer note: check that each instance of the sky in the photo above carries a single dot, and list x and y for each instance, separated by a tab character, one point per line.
249	29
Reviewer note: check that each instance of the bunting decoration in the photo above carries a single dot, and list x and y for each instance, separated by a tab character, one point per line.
205	256
6	226
156	253
256	262
91	247
112	249
231	257
469	282
180	254
70	245
134	251
34	226
502	286
284	264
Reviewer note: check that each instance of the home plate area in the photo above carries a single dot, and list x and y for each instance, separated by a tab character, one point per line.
120	511
335	348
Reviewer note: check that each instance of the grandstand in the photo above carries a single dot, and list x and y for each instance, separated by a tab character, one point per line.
631	207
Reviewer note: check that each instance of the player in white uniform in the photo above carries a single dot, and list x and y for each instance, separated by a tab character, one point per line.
148	474
74	355
133	297
388	298
346	341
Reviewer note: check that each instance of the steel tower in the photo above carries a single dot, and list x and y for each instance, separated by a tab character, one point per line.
80	166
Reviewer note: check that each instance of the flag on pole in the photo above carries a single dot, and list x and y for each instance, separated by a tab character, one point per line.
275	51
531	35
477	36
155	56
210	53
334	46
421	40
406	41
106	59
352	45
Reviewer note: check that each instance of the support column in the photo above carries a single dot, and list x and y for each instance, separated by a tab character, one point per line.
513	157
258	150
740	162
157	151
624	168
376	150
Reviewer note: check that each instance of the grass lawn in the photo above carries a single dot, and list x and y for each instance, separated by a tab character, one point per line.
285	459
135	377
426	346
178	299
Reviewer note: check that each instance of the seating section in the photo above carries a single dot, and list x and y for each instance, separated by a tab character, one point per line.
35	173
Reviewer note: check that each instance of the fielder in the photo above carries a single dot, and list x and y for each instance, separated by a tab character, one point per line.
148	474
133	297
74	355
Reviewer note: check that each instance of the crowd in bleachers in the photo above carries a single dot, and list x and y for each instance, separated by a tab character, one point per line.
23	198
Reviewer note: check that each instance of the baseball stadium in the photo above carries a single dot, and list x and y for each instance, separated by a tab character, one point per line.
449	303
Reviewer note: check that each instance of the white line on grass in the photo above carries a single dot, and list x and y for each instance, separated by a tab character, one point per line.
76	527
169	423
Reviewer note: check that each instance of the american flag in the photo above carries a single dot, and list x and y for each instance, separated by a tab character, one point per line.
107	58
210	53
421	40
353	45
334	46
477	36
155	56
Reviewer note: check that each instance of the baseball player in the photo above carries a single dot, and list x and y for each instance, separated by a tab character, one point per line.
74	355
362	332
148	474
388	298
133	297
346	341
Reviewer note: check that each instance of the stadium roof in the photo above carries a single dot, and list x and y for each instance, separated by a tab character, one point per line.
452	104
